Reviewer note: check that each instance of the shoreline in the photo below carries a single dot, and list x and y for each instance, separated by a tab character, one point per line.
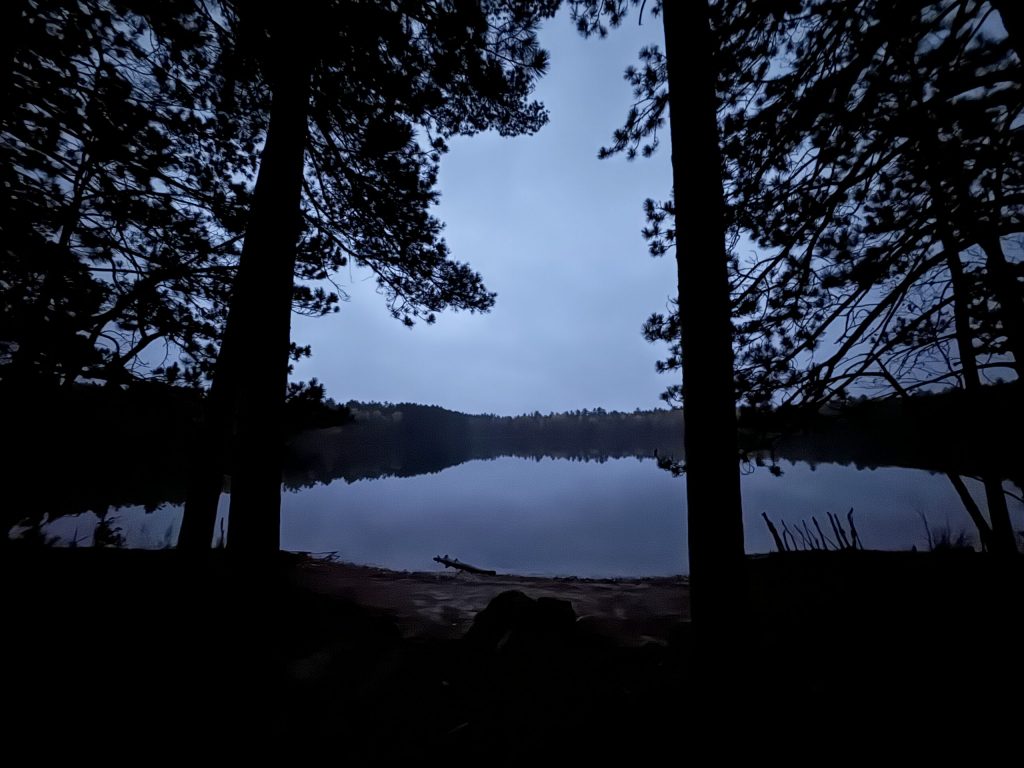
370	569
442	604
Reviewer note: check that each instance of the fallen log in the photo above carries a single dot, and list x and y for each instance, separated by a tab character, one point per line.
447	562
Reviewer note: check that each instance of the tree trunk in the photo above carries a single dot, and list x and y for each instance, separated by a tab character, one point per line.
715	518
209	459
1006	288
999	537
261	306
243	425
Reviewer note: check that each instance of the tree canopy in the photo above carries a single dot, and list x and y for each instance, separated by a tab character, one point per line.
124	191
872	169
363	97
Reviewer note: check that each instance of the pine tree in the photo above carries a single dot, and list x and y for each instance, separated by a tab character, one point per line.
871	154
878	166
363	97
122	193
682	79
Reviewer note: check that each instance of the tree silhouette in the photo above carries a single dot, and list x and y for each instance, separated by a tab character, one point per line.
122	193
362	97
872	156
881	171
683	80
861	195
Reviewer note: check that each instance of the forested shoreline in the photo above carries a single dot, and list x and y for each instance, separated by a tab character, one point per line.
842	200
81	448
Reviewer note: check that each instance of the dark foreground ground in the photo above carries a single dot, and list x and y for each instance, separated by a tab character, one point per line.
137	656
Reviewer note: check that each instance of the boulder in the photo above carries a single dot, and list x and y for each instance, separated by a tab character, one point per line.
515	623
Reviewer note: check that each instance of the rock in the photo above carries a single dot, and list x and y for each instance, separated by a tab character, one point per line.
515	623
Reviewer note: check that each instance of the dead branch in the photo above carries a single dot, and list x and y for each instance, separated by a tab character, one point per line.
837	526
813	539
447	562
786	532
779	545
826	541
853	531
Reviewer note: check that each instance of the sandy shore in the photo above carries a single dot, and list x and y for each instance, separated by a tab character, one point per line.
442	604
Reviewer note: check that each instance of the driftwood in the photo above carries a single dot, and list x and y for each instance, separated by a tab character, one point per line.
448	562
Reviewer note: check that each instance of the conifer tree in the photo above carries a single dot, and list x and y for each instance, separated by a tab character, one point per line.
123	189
363	97
682	80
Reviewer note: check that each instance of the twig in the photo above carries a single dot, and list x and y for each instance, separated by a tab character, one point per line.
811	536
785	533
779	544
825	539
853	531
840	531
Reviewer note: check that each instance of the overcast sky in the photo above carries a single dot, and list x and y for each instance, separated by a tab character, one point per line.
556	233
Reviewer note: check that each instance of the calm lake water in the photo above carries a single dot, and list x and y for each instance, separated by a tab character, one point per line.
620	517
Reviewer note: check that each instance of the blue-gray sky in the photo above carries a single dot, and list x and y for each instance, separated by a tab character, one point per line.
556	233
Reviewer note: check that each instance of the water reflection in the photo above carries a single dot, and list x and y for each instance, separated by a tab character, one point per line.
620	517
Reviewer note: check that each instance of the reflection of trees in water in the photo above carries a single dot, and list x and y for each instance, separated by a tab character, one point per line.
87	461
950	432
95	448
324	469
402	441
92	449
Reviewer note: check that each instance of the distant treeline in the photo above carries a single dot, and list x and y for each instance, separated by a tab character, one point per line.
73	449
408	439
94	448
947	431
86	448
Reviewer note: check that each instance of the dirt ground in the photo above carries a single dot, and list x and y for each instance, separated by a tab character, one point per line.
138	653
442	604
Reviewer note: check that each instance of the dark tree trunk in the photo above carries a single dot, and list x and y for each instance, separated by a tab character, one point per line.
709	407
261	322
243	429
1006	288
209	461
978	226
998	536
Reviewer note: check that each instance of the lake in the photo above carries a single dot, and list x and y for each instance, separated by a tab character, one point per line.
618	517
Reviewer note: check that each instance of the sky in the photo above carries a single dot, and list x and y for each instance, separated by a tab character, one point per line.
556	233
